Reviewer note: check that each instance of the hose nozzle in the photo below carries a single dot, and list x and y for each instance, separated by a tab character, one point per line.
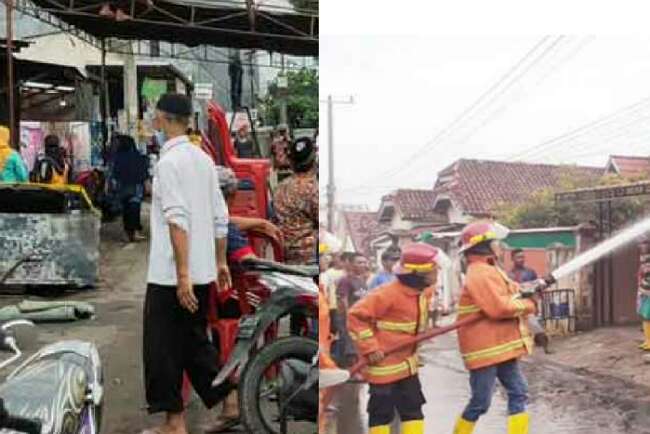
537	286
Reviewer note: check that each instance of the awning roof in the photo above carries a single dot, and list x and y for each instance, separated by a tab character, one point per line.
156	71
276	26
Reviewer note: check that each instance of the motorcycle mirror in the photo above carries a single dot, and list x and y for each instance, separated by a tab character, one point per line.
23	331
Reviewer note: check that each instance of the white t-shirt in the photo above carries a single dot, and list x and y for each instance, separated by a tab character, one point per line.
186	192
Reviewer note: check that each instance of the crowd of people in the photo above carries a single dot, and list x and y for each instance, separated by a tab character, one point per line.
190	200
52	165
368	313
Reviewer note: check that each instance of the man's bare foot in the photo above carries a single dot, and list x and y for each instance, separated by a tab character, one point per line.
164	429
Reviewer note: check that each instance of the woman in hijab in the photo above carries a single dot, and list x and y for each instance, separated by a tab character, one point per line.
130	172
12	166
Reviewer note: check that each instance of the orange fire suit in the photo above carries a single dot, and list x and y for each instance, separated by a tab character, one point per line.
387	316
503	334
324	361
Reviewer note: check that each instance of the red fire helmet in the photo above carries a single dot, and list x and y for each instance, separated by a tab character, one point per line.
417	258
479	232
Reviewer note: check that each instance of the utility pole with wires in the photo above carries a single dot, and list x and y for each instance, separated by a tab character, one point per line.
11	99
331	189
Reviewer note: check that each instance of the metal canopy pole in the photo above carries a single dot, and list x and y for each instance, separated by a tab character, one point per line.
11	102
103	101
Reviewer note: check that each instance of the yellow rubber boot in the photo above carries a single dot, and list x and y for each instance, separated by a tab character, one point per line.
413	427
646	331
381	429
518	423
464	426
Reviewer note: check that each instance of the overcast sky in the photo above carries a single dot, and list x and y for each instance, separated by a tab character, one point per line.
410	93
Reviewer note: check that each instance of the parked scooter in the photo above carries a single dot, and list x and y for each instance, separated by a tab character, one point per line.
58	390
278	383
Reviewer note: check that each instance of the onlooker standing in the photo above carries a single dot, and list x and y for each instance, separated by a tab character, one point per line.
280	162
244	144
52	167
351	289
388	260
130	172
187	214
296	205
353	286
643	298
12	166
280	148
522	274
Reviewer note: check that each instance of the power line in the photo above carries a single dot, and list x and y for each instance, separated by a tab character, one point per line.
551	70
543	146
598	150
485	95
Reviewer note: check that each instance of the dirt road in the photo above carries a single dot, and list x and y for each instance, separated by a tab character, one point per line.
117	331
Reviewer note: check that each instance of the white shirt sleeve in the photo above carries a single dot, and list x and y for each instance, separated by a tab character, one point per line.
221	217
174	206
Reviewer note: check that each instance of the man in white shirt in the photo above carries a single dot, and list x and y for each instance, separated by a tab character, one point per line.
189	225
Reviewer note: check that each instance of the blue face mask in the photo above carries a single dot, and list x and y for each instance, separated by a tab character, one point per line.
161	137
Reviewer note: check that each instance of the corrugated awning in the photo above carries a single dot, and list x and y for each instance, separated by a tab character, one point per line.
289	27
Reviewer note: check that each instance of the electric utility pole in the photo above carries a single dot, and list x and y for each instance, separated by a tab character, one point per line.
331	188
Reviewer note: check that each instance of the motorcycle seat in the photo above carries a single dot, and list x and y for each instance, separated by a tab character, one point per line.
261	265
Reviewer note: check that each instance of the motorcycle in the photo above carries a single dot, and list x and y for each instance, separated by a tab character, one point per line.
278	379
58	390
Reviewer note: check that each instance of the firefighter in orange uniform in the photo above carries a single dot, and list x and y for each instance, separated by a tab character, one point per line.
390	314
492	346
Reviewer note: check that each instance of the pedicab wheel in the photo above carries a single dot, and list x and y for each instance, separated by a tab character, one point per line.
259	396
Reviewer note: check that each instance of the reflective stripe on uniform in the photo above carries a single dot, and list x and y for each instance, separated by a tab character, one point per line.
410	365
494	351
470	308
521	307
392	326
418	267
363	334
424	312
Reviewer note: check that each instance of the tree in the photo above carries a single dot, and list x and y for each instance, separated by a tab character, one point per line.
302	100
540	209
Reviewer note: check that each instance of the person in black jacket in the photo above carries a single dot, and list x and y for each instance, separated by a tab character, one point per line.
130	172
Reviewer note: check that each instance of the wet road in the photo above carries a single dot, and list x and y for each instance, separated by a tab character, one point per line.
117	331
562	401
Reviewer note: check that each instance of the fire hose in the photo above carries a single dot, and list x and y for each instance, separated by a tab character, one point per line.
527	291
429	334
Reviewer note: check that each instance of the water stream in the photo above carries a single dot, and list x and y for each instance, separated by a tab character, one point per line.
622	238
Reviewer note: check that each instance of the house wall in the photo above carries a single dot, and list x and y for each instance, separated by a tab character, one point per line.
399	224
456	215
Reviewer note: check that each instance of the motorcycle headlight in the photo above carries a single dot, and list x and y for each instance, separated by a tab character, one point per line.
78	385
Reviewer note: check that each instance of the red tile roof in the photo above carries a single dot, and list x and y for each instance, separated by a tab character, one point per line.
477	186
416	205
362	227
629	166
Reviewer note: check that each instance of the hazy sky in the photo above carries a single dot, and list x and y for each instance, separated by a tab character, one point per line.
410	92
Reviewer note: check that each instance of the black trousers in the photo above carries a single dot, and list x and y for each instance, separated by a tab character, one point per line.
405	396
176	341
131	215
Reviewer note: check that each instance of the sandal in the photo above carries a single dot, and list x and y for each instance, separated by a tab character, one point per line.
153	431
223	424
